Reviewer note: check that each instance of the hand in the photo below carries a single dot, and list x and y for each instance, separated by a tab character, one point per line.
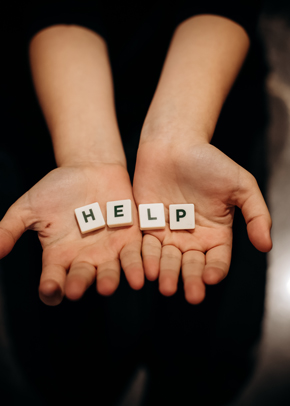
72	261
203	175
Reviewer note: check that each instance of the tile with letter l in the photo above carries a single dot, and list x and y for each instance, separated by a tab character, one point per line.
119	213
151	216
90	218
181	216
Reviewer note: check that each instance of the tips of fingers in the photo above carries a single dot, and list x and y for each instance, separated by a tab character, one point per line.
12	226
259	233
108	277
75	288
151	252
194	292
131	262
151	267
135	275
192	269
6	243
213	275
257	216
217	266
51	286
167	285
136	281
107	285
170	265
81	275
50	293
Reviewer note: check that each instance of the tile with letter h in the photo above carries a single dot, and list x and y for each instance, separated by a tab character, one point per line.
90	218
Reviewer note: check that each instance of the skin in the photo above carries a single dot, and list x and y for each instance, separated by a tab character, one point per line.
72	78
175	164
72	261
203	175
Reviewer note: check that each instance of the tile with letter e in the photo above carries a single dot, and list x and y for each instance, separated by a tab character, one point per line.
151	216
181	216
90	218
119	213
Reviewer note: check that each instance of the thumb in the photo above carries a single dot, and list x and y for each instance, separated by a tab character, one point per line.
12	226
256	214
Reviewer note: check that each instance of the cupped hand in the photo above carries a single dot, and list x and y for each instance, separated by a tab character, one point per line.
72	261
203	175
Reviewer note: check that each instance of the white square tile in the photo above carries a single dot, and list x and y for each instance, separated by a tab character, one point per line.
119	213
90	218
151	216
181	216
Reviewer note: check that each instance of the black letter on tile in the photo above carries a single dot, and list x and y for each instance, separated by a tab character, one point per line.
180	213
118	212
149	215
88	215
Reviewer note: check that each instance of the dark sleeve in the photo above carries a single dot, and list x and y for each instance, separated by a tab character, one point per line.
243	12
47	13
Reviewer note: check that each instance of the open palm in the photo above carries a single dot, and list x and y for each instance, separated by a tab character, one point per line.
203	175
72	261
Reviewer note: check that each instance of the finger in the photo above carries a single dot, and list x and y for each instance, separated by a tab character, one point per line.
51	285
151	254
217	264
170	265
108	277
81	275
11	228
131	263
256	214
193	263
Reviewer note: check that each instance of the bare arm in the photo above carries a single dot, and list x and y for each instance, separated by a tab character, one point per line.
204	58
176	163
72	76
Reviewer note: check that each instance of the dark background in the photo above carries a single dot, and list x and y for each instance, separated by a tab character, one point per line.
91	348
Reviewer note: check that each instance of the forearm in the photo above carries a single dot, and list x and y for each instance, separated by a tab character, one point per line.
204	58
72	77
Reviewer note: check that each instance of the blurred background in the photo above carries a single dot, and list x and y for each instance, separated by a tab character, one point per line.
270	382
28	329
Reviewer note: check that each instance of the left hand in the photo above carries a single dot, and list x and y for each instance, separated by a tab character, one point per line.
201	174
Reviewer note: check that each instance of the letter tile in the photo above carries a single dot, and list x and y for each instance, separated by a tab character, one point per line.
151	216
90	218
119	213
181	216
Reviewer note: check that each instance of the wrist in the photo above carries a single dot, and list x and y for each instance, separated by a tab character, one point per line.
89	153
166	132
90	159
91	163
84	147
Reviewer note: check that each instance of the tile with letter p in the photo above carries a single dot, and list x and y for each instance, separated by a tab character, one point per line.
119	213
151	216
90	218
181	216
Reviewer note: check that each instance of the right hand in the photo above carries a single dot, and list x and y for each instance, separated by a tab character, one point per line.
72	261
